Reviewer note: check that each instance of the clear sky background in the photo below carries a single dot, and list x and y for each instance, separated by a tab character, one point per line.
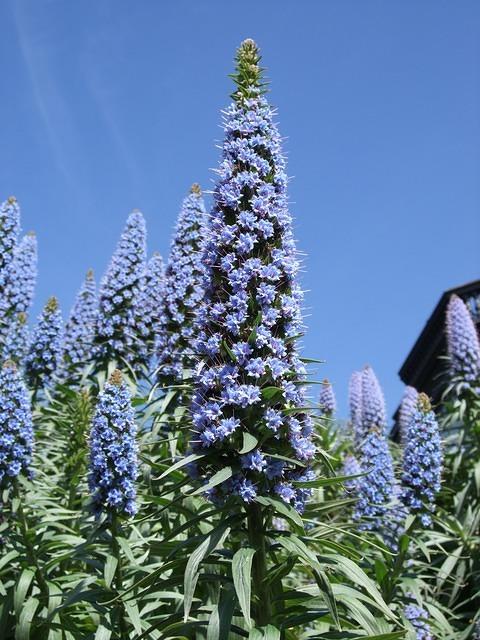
110	105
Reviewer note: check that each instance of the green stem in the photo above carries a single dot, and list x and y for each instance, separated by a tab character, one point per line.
120	618
261	592
29	547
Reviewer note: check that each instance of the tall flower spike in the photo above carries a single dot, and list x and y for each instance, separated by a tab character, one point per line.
376	488
351	467
327	400
422	462
417	616
355	403
250	371
184	289
150	305
120	295
374	413
80	328
113	451
408	407
17	340
44	355
9	230
20	280
16	430
462	341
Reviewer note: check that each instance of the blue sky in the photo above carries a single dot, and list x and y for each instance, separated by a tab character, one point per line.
111	105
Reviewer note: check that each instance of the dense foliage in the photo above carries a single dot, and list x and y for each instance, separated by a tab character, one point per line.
164	472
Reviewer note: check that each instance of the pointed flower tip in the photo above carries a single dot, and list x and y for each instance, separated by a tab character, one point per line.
12	200
248	75
90	274
52	304
116	378
22	317
31	234
424	403
249	49
196	189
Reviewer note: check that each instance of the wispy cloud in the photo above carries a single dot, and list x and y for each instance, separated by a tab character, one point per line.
50	104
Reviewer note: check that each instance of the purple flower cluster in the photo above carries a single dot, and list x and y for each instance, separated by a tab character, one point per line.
80	328
16	429
408	407
374	413
184	289
250	373
418	617
375	489
462	341
17	340
351	467
21	276
355	403
422	462
116	336
327	400
9	230
45	352
113	451
151	300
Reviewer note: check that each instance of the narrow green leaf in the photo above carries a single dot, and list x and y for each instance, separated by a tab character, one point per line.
103	633
109	569
249	442
21	590
217	478
211	542
241	571
22	632
181	463
282	508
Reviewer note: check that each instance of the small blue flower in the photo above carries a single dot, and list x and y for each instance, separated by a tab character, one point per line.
113	451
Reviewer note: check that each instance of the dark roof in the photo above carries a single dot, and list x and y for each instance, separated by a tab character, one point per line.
422	368
422	360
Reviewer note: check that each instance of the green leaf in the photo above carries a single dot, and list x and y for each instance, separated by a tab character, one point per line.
241	571
221	618
21	590
109	569
282	508
326	590
22	632
103	633
265	633
217	478
270	392
181	463
354	573
211	542
249	442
